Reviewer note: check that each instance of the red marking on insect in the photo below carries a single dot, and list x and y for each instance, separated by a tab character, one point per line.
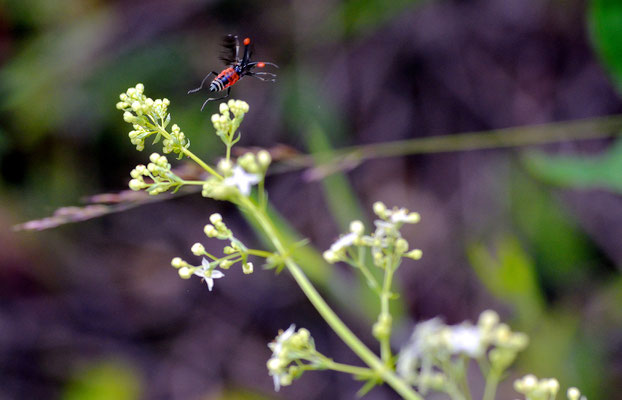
236	68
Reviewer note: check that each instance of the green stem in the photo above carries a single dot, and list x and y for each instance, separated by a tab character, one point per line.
359	262
229	145
385	313
463	377
350	369
326	312
260	253
190	154
492	380
201	183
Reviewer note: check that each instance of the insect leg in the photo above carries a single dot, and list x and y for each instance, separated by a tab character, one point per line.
237	48
219	98
254	75
202	82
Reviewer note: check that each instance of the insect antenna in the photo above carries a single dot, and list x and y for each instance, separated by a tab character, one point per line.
229	53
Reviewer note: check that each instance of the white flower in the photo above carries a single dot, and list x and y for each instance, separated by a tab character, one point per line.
242	180
277	345
277	365
344	241
208	274
466	339
415	353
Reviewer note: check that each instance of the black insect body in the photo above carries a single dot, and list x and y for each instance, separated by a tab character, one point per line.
236	68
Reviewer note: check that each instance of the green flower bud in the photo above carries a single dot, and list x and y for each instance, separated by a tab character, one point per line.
210	231
488	319
136	184
330	256
415	254
357	227
413	218
573	393
380	209
215	218
185	273
247	268
401	245
225	167
264	159
197	249
177	262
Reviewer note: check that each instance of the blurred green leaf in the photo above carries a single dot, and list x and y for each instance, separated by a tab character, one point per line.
360	16
605	20
562	252
579	172
104	381
510	276
240	394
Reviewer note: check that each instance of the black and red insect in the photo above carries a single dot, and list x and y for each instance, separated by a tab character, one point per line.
236	68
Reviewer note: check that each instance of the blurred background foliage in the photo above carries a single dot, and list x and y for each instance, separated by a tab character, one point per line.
93	310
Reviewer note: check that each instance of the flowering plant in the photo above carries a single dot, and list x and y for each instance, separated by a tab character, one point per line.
435	358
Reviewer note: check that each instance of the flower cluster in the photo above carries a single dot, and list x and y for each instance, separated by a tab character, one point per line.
385	242
225	125
159	171
150	117
543	389
291	347
235	252
239	178
175	142
423	360
248	170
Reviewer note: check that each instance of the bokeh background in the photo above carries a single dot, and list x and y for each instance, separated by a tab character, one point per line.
93	310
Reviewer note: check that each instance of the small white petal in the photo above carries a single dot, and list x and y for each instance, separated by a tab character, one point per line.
466	339
216	274
344	241
242	180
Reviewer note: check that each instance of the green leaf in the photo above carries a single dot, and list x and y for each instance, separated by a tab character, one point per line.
579	172
510	276
361	16
605	20
104	380
563	252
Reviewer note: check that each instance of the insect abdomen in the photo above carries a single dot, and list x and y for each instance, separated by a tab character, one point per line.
225	79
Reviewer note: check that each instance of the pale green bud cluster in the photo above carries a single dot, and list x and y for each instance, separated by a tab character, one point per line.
433	345
160	174
225	125
150	117
543	389
537	389
291	347
217	228
136	105
176	142
385	242
255	163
